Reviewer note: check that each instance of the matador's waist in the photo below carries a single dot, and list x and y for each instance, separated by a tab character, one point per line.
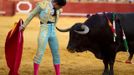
49	22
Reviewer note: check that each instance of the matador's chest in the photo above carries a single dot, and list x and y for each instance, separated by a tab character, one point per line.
47	14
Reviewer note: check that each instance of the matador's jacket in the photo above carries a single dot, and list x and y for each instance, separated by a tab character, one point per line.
45	12
47	34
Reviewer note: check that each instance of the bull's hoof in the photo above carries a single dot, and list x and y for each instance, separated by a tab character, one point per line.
111	73
106	72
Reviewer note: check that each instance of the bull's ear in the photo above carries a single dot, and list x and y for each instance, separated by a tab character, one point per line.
86	30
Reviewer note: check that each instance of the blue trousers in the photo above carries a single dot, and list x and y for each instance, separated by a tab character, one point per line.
47	35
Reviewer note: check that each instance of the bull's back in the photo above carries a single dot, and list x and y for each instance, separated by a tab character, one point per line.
127	22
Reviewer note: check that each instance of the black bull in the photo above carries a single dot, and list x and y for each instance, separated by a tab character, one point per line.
96	36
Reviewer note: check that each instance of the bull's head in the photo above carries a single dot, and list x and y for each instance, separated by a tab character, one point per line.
77	37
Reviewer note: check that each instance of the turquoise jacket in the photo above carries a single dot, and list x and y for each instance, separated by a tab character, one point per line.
44	10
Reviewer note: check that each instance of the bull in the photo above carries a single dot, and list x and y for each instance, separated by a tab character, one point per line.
96	36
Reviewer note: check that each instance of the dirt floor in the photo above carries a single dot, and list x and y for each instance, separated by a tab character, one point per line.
71	64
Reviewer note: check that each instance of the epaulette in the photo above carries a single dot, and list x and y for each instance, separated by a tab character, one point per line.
43	4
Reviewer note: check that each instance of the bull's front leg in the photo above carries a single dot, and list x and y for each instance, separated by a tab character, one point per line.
111	63
130	58
111	72
106	69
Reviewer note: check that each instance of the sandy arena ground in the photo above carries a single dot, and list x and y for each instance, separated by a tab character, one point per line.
71	64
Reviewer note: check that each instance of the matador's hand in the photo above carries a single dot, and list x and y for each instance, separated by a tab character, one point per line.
22	28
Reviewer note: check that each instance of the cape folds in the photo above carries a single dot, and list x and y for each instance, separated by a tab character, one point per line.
14	48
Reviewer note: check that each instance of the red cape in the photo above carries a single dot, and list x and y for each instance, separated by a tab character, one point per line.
14	48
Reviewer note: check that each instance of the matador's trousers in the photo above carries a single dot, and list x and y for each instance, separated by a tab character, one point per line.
47	35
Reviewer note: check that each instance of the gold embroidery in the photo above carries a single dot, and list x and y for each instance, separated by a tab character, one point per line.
43	4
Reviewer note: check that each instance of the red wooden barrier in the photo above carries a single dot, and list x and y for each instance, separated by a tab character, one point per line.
97	7
7	8
82	8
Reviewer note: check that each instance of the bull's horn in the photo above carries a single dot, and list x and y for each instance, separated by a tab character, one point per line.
63	30
86	30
